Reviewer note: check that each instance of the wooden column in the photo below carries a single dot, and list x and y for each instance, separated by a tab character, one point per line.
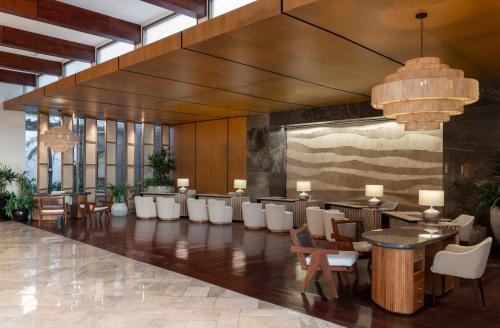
67	160
43	155
90	157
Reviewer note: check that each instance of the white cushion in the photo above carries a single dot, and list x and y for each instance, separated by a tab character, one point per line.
52	211
362	246
343	258
101	208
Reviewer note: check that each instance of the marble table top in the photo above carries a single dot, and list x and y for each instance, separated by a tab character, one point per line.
407	237
411	216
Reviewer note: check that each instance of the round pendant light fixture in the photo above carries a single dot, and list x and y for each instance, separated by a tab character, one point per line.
59	138
424	92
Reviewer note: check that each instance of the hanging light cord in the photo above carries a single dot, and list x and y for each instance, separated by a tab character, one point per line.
421	16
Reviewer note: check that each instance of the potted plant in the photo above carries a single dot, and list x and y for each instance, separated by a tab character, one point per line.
19	207
119	207
7	176
489	197
162	163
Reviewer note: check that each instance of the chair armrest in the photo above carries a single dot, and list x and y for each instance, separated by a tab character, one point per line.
338	245
344	238
454	248
311	250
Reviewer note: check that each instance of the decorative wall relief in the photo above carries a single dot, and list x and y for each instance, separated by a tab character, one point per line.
340	160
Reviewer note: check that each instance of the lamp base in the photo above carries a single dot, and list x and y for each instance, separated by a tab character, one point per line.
240	192
431	215
374	202
304	196
183	190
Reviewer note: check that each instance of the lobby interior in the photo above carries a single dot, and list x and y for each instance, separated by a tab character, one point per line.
249	163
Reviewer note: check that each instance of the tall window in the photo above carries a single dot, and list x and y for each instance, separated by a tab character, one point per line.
75	66
44	79
121	146
112	50
31	145
219	7
158	137
54	160
79	129
101	156
166	27
138	154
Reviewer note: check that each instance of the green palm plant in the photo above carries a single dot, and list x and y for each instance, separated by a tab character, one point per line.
162	163
7	176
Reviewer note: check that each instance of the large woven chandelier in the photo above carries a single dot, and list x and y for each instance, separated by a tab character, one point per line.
59	139
424	93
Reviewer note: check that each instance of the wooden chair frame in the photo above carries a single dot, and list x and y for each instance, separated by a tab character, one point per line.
90	211
318	265
44	201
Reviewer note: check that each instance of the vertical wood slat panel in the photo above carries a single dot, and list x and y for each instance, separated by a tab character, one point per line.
90	157
148	139
211	156
165	135
183	142
236	150
43	153
67	161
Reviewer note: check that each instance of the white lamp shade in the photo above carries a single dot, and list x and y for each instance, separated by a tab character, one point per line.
431	197
303	185
374	190
183	182
240	184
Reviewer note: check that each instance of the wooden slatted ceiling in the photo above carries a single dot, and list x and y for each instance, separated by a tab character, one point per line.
254	59
464	34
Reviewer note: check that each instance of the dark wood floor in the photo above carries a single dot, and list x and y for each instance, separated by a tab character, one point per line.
258	263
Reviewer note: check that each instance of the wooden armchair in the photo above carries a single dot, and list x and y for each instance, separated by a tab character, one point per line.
50	206
318	261
101	205
348	243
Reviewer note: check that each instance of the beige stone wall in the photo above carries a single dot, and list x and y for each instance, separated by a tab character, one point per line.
341	160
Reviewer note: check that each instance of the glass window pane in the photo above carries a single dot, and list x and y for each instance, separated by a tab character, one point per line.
120	154
158	137
220	7
101	156
54	160
138	154
167	27
75	66
79	129
44	79
113	50
31	145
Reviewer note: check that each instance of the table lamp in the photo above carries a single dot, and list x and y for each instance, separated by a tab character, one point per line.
240	185
303	186
182	184
374	191
431	198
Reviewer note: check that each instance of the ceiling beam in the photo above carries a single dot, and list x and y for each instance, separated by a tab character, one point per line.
17	77
75	18
30	64
192	8
19	39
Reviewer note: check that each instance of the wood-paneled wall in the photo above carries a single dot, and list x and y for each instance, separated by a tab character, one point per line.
211	154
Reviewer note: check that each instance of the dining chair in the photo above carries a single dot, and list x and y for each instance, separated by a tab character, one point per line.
278	219
50	206
320	261
314	218
465	222
467	262
101	205
219	212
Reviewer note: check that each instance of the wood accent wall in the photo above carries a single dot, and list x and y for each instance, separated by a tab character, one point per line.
211	153
183	142
236	150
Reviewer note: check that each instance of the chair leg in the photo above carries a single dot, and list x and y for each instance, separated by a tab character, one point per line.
433	289
313	266
344	277
356	270
480	284
325	267
318	275
475	291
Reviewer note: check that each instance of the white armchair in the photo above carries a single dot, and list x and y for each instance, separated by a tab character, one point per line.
145	207
315	222
254	216
278	219
468	262
167	208
219	213
465	222
197	210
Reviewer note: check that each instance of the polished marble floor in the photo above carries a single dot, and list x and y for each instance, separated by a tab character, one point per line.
258	263
47	280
